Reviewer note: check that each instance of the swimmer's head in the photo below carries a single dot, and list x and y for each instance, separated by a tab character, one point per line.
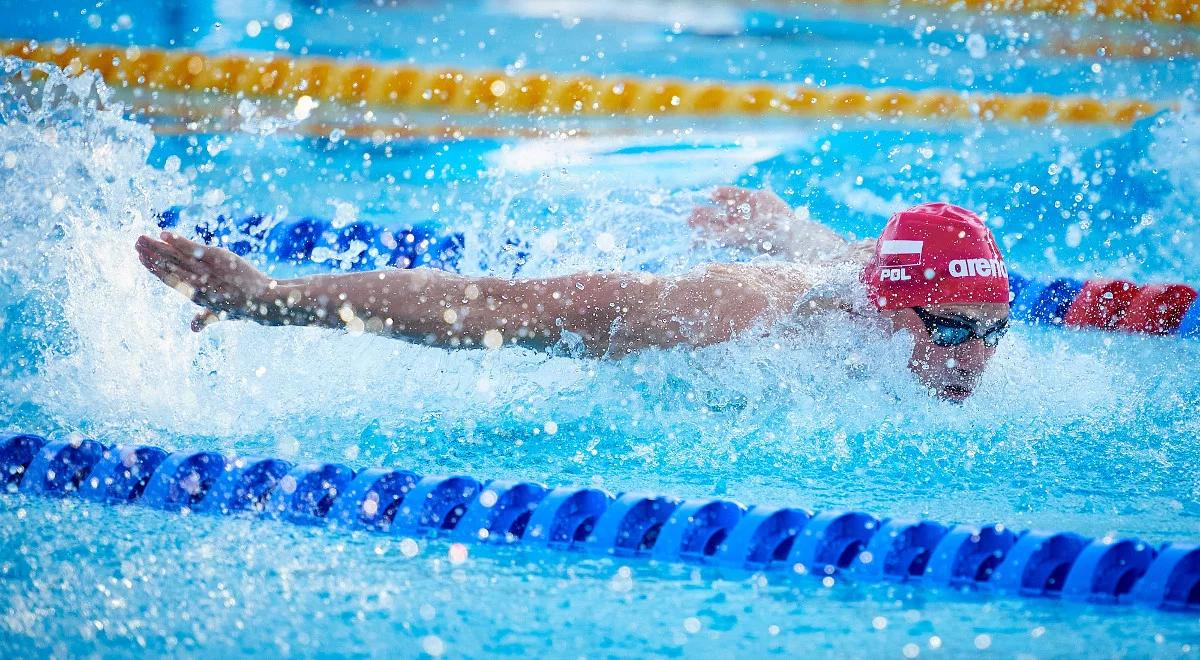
938	273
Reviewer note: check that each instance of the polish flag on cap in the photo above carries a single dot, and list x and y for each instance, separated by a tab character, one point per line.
936	254
895	254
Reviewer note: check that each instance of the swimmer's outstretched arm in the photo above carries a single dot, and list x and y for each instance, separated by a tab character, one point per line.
613	313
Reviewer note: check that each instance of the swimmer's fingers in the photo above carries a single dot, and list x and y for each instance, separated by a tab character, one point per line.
195	256
158	269
180	281
160	264
158	251
165	273
760	202
211	257
161	257
722	193
149	248
183	245
204	319
185	275
730	196
210	272
194	286
187	255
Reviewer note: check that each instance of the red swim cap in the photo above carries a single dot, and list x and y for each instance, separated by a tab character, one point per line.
936	254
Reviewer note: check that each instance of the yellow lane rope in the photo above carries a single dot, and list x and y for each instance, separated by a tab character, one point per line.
388	133
454	90
1173	12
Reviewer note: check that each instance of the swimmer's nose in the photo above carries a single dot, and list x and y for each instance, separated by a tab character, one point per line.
970	357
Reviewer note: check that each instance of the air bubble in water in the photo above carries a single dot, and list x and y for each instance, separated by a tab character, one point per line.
977	46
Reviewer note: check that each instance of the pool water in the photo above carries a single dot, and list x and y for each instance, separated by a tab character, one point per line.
1088	432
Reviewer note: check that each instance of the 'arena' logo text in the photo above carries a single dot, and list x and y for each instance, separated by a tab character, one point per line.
980	267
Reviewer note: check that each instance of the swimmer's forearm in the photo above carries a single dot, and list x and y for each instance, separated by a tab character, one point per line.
445	309
409	304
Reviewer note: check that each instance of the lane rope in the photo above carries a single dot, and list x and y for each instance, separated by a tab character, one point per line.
496	92
379	134
720	533
1172	12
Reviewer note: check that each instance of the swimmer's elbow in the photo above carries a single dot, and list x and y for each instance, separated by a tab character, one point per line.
687	316
613	313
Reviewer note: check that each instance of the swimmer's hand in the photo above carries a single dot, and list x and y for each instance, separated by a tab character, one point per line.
221	282
758	220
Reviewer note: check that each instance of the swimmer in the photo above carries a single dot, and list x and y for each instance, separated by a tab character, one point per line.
935	271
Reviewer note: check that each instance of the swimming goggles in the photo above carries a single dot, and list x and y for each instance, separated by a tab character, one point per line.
952	331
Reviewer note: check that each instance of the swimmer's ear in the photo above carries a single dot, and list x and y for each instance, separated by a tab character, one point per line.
204	319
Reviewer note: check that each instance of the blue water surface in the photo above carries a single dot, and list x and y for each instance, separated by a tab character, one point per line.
1087	431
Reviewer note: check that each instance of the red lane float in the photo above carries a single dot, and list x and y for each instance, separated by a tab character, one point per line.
1158	309
1101	303
1107	304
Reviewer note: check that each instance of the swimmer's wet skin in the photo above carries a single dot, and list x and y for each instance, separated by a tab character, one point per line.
935	272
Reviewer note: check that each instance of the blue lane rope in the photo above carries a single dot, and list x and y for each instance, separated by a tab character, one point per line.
710	532
298	240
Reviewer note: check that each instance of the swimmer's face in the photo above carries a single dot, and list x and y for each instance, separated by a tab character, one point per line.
951	372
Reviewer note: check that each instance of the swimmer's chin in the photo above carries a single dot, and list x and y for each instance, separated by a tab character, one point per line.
954	393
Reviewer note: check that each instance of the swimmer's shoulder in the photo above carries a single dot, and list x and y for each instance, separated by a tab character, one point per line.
805	288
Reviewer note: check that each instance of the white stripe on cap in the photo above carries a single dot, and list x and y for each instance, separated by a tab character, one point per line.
901	247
